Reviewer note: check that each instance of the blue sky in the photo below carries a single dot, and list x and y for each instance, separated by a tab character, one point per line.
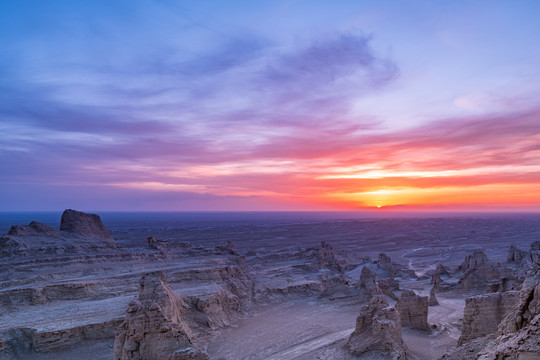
247	105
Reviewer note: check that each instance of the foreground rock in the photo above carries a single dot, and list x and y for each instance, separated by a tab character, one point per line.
519	332
84	224
413	310
483	314
156	325
378	330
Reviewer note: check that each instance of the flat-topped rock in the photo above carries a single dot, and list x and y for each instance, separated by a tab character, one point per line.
414	310
483	313
80	223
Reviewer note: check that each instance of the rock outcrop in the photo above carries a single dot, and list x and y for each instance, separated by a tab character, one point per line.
433	301
385	262
156	326
483	313
413	310
386	289
323	257
478	273
327	257
515	255
520	330
474	261
441	270
153	243
80	223
368	282
518	334
35	228
378	329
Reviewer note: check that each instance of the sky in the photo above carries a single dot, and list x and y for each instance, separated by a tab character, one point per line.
162	105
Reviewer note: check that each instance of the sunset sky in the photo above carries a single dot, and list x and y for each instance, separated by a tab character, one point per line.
269	105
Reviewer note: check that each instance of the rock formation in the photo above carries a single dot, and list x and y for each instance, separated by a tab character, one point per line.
155	326
432	301
520	330
378	329
441	270
483	313
368	282
385	288
33	229
323	257
385	262
80	223
518	334
474	261
515	255
413	310
327	257
478	273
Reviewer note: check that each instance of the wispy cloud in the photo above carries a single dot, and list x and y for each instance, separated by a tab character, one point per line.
163	107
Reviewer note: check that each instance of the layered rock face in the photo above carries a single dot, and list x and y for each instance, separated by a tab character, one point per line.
483	313
413	310
156	326
84	224
378	329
